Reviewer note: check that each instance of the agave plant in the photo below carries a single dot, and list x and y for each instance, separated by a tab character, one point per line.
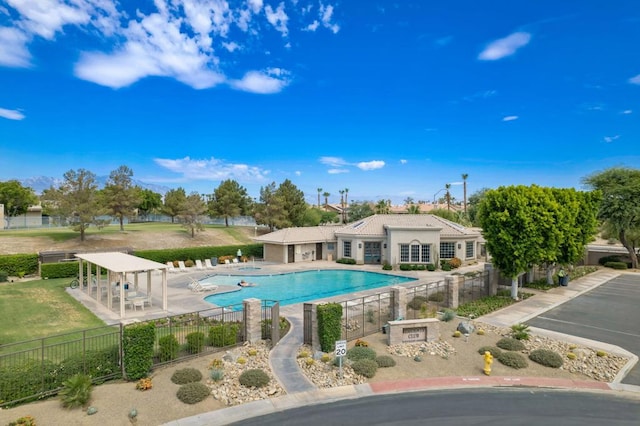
520	331
76	391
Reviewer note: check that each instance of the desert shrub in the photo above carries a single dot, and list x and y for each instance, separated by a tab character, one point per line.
216	374
416	303
325	358
169	348
520	331
303	354
437	297
195	342
604	260
601	353
241	360
457	333
616	265
431	267
186	375
23	421
194	392
480	332
572	356
493	350
310	361
386	266
76	391
216	363
513	360
448	315
189	263
252	352
385	361
361	352
144	384
223	335
365	367
255	378
546	357
346	261
362	343
510	344
455	263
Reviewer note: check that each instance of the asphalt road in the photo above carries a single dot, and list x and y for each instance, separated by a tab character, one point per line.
609	313
512	406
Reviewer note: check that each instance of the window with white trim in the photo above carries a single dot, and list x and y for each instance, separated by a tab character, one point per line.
469	250
415	252
346	248
447	250
404	252
426	253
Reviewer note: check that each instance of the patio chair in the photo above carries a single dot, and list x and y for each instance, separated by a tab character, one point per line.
181	266
171	268
208	264
199	287
227	263
235	262
199	265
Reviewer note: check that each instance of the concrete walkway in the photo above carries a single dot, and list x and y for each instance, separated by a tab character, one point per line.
300	391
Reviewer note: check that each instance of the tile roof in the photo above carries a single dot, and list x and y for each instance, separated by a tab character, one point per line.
373	226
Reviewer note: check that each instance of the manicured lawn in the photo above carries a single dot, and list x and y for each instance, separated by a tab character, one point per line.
41	308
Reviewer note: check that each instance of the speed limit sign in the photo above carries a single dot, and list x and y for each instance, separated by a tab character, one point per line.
341	347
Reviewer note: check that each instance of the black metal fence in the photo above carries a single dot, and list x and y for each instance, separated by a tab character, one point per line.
365	315
473	287
425	300
36	369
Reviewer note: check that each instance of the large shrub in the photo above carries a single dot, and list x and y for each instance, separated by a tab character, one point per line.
365	367
19	264
255	378
194	392
385	361
494	351
546	357
513	360
417	302
510	344
186	375
223	335
137	345
361	352
170	255
169	348
195	342
24	380
329	325
102	363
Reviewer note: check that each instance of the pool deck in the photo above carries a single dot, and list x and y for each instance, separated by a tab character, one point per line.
181	299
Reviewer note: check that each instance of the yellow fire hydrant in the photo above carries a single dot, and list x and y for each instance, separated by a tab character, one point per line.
488	360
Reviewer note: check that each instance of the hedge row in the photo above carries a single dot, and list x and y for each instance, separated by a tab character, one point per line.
19	264
193	253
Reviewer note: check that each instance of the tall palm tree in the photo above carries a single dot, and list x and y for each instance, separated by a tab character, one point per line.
326	198
346	204
342	203
448	195
464	188
319	191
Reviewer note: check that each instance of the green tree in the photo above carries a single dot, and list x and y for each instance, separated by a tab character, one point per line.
120	196
360	210
16	199
620	205
150	201
510	220
174	202
383	207
229	200
191	215
473	203
76	199
413	209
326	198
270	208
293	203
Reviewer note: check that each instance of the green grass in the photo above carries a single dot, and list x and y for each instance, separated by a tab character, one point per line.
41	308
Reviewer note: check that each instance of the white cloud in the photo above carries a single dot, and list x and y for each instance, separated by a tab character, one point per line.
212	169
333	161
11	114
610	139
256	5
503	47
627	111
270	81
278	18
13	48
635	80
370	165
337	171
403	161
326	13
46	17
510	118
231	46
312	26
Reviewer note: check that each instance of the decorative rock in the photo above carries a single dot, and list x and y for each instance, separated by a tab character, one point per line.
91	411
465	328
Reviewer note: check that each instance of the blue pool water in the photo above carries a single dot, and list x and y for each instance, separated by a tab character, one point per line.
300	287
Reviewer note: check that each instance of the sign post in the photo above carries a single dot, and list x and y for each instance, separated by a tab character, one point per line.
341	350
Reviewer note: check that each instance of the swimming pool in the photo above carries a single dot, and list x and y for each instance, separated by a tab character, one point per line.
297	287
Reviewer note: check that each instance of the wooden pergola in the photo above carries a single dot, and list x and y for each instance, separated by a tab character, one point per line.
118	265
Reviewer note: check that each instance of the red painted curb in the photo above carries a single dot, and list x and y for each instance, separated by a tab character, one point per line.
483	381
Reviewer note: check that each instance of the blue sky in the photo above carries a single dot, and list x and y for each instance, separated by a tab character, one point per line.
388	99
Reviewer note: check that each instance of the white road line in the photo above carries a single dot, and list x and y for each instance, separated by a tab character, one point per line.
589	326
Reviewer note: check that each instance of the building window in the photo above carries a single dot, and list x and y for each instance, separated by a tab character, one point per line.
447	250
426	253
415	253
330	247
346	248
404	252
469	250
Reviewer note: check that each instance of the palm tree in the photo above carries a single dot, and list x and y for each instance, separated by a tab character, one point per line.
342	203
346	203
382	207
326	198
464	188
448	196
319	191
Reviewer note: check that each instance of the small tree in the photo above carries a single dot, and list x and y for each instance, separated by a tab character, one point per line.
16	198
120	196
174	202
229	200
191	215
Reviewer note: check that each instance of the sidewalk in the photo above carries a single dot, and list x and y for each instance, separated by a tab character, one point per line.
300	391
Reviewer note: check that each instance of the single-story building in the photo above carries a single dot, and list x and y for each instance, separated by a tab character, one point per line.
377	239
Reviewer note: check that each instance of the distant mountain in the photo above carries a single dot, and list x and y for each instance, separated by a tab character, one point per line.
40	183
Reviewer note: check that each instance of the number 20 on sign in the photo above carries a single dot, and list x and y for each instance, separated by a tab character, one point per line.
341	347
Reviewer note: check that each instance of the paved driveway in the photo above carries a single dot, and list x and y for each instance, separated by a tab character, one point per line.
609	313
